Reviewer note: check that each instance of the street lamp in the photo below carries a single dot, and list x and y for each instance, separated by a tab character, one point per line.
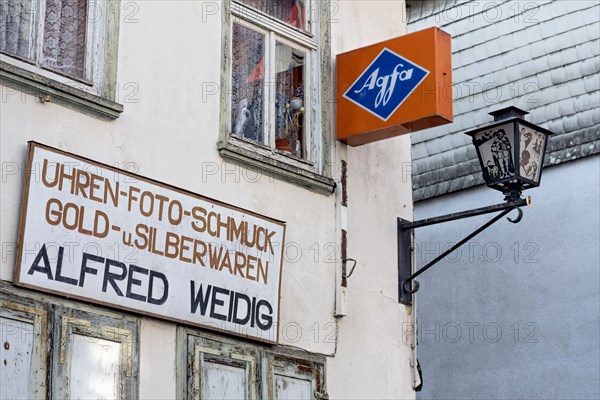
511	152
511	155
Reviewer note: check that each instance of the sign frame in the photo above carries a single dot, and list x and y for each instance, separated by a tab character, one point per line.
33	145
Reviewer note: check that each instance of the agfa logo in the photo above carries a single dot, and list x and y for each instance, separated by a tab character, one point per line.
385	84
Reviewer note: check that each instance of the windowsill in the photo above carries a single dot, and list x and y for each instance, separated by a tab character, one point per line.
48	89
276	164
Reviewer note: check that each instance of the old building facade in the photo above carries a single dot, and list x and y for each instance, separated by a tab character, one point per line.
193	98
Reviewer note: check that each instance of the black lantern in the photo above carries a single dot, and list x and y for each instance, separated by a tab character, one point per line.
511	152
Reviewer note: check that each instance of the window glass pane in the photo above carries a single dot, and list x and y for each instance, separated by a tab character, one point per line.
289	99
292	12
220	381
94	368
16	353
17	27
248	79
65	27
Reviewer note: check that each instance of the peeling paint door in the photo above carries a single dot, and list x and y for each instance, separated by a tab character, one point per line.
293	380
220	381
292	388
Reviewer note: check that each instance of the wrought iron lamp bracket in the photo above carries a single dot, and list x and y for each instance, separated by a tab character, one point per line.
407	283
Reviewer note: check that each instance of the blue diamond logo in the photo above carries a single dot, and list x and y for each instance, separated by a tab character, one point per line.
385	84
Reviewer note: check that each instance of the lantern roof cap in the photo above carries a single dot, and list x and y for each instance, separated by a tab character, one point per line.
508	112
508	120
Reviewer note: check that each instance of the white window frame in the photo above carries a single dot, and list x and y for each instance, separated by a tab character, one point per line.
275	31
313	169
93	80
96	95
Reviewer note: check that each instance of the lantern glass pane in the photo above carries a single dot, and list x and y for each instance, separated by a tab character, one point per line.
496	148
532	149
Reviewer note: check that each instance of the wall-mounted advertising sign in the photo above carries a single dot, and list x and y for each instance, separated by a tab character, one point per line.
394	87
90	231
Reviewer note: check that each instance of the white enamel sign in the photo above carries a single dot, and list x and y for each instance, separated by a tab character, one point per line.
94	232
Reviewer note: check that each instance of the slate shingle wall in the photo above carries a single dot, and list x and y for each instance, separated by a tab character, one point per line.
541	56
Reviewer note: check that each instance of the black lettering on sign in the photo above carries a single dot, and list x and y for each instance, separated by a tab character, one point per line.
87	270
36	267
217	302
236	319
157	275
110	277
198	299
116	272
59	276
131	281
254	311
267	317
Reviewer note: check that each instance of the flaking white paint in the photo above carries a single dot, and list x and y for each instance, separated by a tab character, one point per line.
16	352
94	368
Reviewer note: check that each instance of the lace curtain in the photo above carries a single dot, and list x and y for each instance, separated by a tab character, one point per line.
285	94
16	27
64	33
64	36
248	77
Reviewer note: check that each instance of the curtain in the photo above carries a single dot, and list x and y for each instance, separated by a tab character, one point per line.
16	27
289	93
65	27
248	79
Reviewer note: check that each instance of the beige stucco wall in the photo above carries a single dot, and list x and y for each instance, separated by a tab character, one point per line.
373	359
168	56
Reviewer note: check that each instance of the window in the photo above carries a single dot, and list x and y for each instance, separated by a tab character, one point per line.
269	76
214	367
70	42
273	114
81	352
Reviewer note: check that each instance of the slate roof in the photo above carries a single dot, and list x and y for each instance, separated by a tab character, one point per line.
543	57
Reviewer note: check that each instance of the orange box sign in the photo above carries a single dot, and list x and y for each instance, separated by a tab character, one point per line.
391	88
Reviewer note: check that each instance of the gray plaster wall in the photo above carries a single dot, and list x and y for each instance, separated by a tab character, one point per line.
514	313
